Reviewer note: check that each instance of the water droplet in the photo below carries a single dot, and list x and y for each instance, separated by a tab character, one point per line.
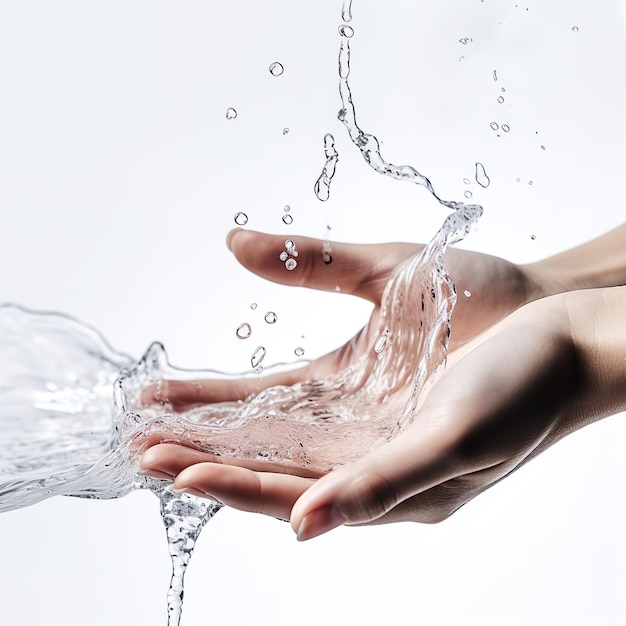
299	351
381	343
291	264
231	114
271	317
346	10
500	99
467	293
505	128
461	59
327	258
543	147
503	90
494	125
337	288
285	131
253	306
466	181
244	331
495	75
518	180
468	193
276	69
257	356
241	219
346	31
290	245
533	237
481	176
530	182
575	29
465	40
284	256
287	219
286	208
322	184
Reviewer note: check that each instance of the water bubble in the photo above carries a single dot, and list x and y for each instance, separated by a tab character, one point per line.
288	219
253	306
346	31
467	293
283	256
481	176
231	113
244	331
505	128
241	219
500	99
327	258
276	68
494	125
381	343
257	356
271	317
290	245
285	131
291	264
468	193
299	351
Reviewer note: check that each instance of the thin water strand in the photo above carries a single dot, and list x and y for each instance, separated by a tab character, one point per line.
322	184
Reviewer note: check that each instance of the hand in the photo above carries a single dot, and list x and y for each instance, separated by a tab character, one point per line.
548	369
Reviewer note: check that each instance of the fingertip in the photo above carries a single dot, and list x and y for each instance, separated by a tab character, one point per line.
229	238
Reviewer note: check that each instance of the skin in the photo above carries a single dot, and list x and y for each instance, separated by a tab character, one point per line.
541	355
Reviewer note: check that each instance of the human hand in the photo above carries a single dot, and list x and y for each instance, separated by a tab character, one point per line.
547	370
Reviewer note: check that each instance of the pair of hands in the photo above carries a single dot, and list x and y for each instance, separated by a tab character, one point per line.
512	388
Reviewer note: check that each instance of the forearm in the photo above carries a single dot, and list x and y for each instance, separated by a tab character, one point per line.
597	263
599	334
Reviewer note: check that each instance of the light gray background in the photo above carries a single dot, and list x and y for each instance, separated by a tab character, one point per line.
119	179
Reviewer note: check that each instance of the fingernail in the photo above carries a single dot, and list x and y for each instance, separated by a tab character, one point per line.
154	473
191	491
230	236
319	522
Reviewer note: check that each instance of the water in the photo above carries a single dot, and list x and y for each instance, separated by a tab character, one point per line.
75	414
322	184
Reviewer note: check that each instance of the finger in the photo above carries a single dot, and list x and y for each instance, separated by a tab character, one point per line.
244	489
361	270
183	394
167	460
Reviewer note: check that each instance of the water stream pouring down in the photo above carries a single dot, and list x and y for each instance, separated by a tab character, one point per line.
75	414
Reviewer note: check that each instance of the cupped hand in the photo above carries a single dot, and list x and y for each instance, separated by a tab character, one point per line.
529	381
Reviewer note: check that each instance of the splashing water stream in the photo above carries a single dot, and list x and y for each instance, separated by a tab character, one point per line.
75	414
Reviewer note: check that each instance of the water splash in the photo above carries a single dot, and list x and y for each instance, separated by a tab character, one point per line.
322	184
346	11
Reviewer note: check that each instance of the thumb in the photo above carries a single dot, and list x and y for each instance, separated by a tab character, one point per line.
370	487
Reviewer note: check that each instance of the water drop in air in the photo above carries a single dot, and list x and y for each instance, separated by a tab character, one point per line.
253	306
231	114
271	317
276	69
244	331
495	75
466	181
299	351
346	10
257	356
505	128
241	219
575	29
291	264
283	256
468	193
533	237
287	208
467	293
494	125
346	31
327	258
481	176
285	131
288	219
500	99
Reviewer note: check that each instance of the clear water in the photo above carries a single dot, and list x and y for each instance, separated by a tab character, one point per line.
73	412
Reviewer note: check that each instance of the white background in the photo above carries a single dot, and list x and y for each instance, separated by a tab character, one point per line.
119	179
